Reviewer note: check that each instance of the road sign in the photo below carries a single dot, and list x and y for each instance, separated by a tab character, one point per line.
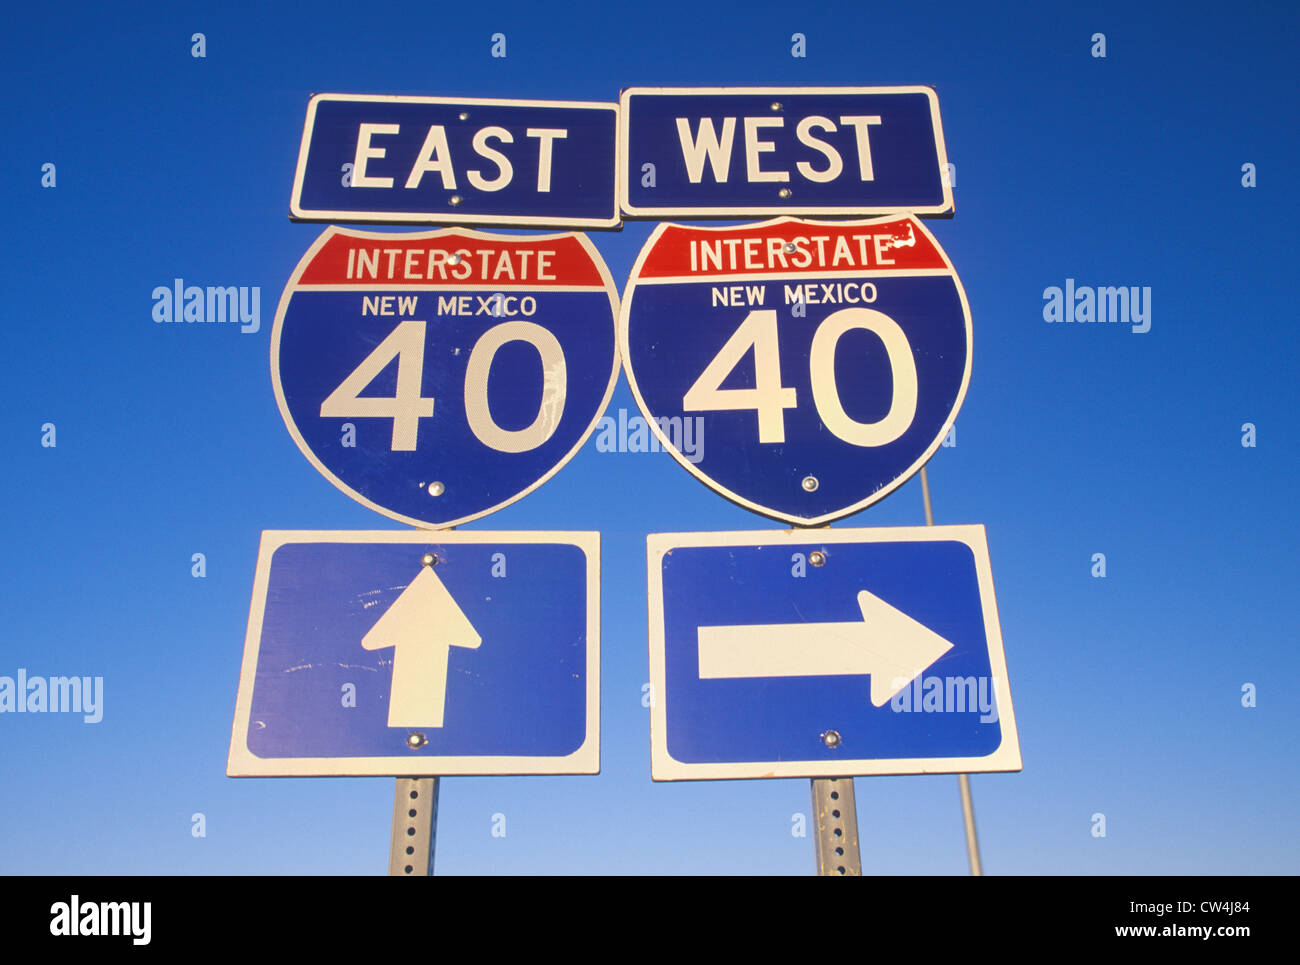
816	364
826	654
446	160
751	151
438	376
364	659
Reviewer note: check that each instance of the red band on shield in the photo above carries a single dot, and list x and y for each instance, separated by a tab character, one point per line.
791	246
452	259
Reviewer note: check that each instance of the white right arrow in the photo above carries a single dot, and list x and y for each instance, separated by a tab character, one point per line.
886	643
421	626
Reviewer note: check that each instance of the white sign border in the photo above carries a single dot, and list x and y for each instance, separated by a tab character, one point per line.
664	767
244	763
944	210
624	321
298	213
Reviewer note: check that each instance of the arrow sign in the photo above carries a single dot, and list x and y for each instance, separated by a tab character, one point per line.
887	644
313	703
421	626
760	640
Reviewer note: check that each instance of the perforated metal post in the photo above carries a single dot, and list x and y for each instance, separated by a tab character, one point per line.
415	827
836	816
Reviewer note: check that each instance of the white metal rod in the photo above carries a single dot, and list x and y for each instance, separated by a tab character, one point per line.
963	780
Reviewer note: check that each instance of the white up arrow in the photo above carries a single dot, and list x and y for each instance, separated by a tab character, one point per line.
886	643
421	626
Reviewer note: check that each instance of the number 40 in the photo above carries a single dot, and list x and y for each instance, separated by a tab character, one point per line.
407	407
769	398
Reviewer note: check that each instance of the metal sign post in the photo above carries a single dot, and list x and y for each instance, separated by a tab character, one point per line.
835	812
415	827
836	815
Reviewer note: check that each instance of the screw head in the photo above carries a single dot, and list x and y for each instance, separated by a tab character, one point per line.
428	559
785	192
776	105
436	488
810	484
832	739
817	558
455	199
464	115
453	258
789	248
416	740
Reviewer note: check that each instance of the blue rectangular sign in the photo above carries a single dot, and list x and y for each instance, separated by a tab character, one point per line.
421	653
741	151
825	654
470	161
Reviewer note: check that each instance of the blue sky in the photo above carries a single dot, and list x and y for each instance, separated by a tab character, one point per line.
1073	440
